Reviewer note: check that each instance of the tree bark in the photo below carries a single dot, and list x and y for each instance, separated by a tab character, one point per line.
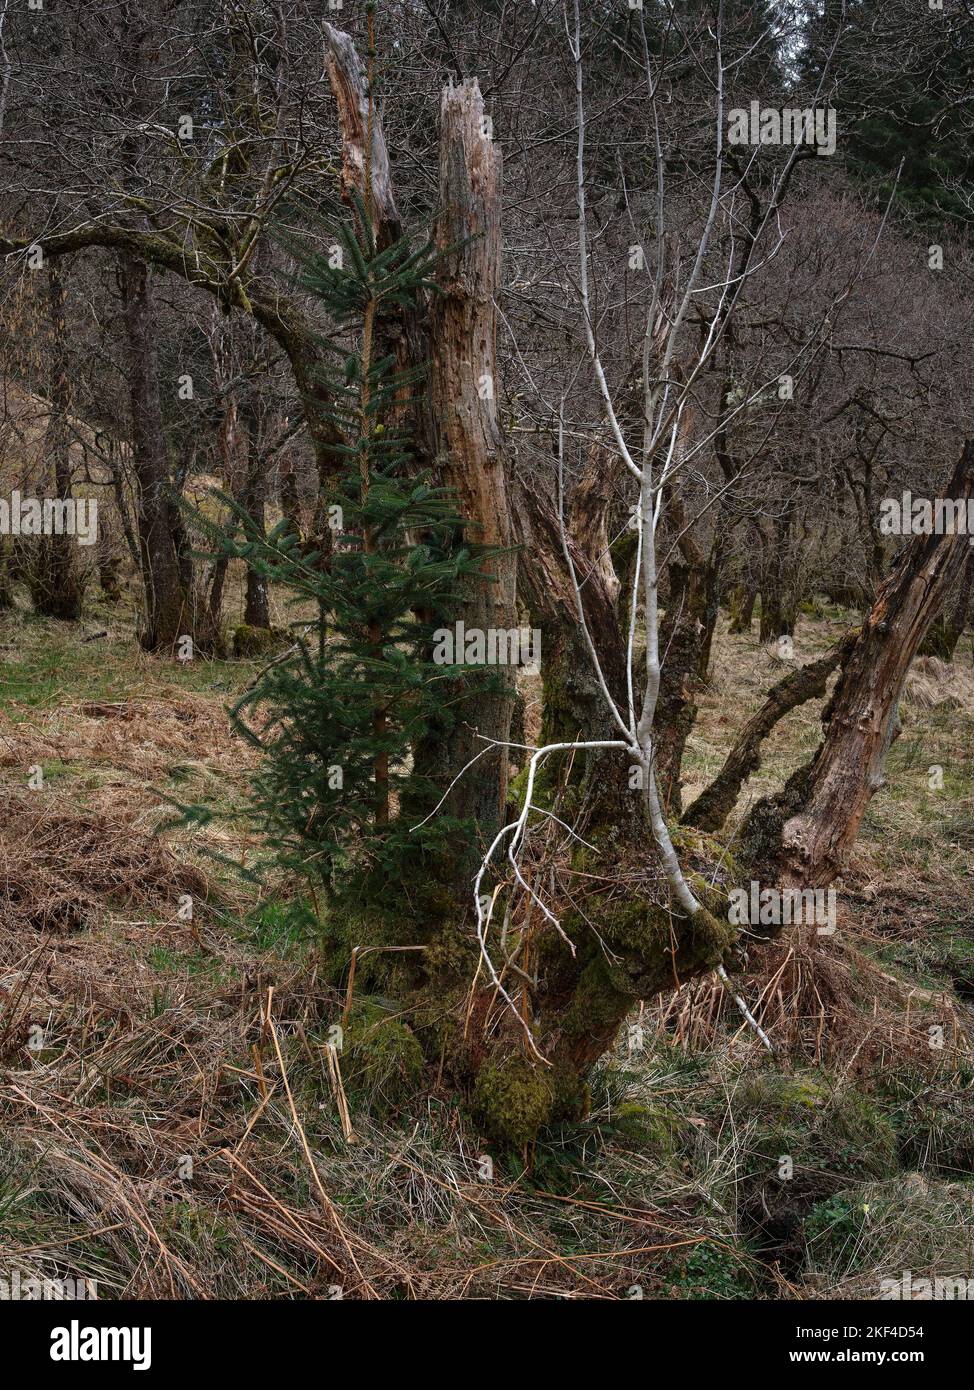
461	433
168	613
681	639
472	453
779	610
402	334
779	596
686	634
257	611
573	706
349	83
742	608
54	583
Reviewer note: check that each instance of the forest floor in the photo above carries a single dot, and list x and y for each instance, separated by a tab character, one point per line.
171	1124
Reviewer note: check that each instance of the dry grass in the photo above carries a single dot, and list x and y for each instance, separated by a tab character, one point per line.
132	1041
145	736
823	1003
900	1231
59	868
932	684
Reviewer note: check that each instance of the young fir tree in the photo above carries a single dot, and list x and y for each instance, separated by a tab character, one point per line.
336	792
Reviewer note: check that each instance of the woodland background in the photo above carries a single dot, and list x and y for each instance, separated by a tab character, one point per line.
578	1079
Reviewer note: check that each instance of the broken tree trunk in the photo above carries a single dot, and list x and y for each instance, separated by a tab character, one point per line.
804	835
636	942
366	175
472	454
457	432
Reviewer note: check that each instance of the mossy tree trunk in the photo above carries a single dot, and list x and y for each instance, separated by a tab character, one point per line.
526	1065
741	608
244	477
780	596
779	610
630	942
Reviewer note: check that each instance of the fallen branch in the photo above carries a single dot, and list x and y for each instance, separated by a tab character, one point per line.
714	805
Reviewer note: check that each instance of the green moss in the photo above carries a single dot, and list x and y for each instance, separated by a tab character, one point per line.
705	940
382	1061
514	1099
841	1126
572	1095
651	942
655	1130
516	790
623	548
190	1229
597	1002
834	1229
699	848
452	951
635	925
547	784
439	1021
255	641
829	1132
637	950
802	1139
